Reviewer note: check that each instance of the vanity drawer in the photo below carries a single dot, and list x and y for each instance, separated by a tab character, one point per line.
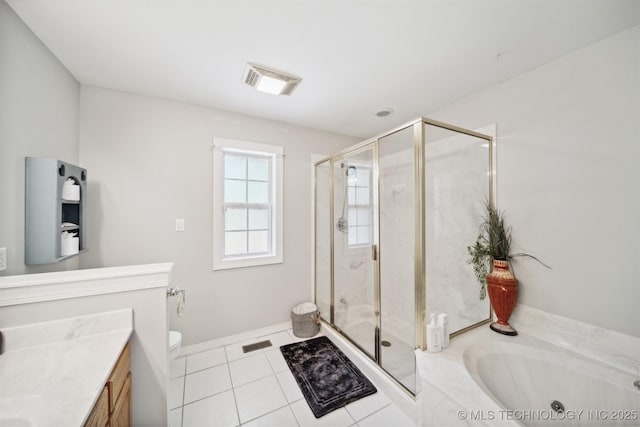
121	416
99	416
119	376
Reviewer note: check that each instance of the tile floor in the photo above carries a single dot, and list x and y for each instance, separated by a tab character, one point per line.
226	387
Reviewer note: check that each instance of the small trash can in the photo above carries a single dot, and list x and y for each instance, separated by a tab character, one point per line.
305	319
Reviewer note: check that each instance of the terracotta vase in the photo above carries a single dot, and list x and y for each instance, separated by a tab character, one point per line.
502	287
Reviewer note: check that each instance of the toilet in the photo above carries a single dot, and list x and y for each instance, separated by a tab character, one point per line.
175	341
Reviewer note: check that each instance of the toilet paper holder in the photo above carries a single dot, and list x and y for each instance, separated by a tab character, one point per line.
172	292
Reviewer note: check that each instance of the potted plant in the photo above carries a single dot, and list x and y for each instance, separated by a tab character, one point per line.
490	257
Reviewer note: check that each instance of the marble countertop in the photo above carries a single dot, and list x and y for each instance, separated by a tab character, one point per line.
449	387
52	372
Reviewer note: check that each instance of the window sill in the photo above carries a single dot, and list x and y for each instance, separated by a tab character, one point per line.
246	262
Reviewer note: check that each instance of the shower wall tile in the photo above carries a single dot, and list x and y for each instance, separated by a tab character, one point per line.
397	236
456	186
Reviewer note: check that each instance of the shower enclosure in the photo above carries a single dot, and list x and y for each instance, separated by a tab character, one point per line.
393	218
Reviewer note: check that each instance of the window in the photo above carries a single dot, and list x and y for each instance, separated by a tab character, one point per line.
247	197
359	205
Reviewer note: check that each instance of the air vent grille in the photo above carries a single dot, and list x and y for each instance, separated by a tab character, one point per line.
270	81
252	77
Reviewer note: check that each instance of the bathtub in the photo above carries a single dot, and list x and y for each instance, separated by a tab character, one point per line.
547	384
557	371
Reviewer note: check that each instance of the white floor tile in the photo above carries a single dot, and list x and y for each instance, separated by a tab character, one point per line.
218	410
175	417
338	418
249	369
298	339
177	367
206	383
283	417
205	359
289	386
388	416
259	398
277	360
294	337
234	351
281	338
367	405
176	390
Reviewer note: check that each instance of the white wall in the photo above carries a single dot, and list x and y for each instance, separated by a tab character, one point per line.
569	178
39	102
150	163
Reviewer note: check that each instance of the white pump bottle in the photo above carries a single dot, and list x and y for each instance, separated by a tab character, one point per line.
434	336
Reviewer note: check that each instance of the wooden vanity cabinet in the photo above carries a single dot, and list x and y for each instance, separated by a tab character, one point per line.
113	408
99	416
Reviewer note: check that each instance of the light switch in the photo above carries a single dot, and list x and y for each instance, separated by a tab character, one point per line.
179	224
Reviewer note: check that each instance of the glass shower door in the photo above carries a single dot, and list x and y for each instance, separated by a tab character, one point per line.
397	256
456	185
354	240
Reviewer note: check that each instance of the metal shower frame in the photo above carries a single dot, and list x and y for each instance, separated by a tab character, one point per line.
420	248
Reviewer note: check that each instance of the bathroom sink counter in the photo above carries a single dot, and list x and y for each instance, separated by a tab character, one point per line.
53	372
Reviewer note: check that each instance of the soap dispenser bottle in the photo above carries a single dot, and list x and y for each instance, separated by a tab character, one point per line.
443	324
434	336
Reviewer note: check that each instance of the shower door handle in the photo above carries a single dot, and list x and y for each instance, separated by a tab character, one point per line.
374	252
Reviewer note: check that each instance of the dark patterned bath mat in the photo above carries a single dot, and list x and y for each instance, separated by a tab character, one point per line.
327	378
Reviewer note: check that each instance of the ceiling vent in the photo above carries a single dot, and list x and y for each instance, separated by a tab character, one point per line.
270	81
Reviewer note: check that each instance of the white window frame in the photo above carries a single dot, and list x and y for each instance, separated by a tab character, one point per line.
368	206
275	256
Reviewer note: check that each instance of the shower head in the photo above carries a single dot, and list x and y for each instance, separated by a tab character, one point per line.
350	173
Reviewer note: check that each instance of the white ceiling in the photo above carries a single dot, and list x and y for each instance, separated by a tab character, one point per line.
355	56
